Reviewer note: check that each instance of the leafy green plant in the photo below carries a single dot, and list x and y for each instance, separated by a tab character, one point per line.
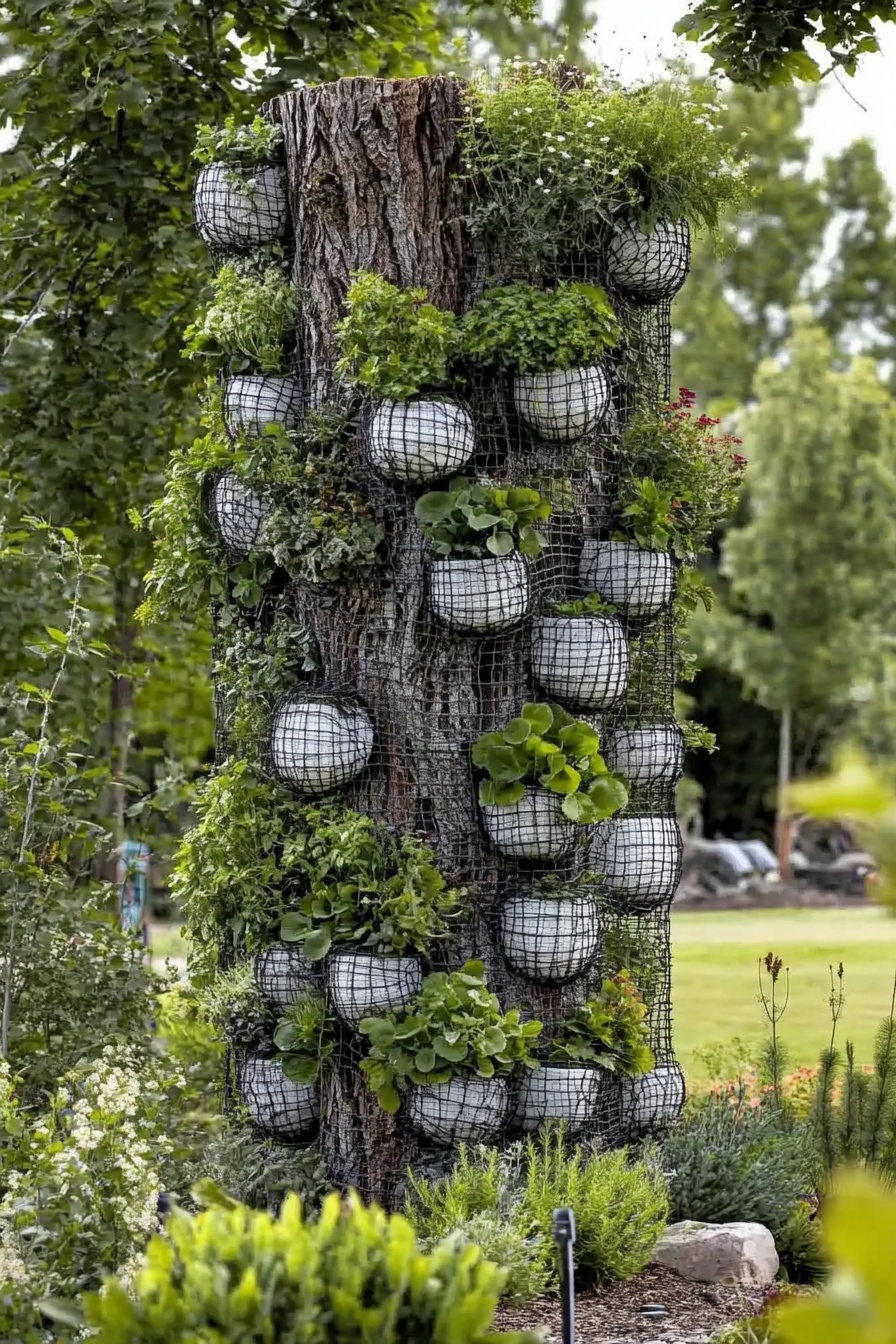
393	342
248	319
648	515
454	1026
633	951
364	887
236	1010
554	166
472	518
545	745
732	1162
256	664
529	330
800	1248
592	605
237	142
304	1037
521	1254
261	1172
352	1272
608	1030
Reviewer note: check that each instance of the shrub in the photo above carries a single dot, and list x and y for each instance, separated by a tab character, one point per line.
261	1172
800	1247
393	342
355	1273
523	1255
478	519
738	1163
533	330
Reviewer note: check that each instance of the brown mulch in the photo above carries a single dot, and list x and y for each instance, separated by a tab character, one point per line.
613	1314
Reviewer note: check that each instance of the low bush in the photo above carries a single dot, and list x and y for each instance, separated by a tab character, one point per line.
261	1172
800	1248
522	1253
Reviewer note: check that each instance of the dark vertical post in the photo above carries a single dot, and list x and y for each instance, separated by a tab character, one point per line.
565	1236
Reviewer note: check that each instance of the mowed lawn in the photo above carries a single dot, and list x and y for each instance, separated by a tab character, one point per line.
715	986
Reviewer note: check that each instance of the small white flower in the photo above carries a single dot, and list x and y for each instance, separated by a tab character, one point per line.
589	124
605	139
561	138
551	149
527	109
564	154
547	191
539	181
587	163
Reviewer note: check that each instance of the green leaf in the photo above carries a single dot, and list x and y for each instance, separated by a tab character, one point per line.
541	717
434	507
494	1040
59	635
517	731
566	780
293	928
63	1311
607	795
500	543
425	1060
300	1070
388	1098
455	1053
317	944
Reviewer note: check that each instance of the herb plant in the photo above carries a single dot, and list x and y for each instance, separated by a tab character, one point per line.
608	1030
248	319
393	342
237	142
471	519
546	746
592	605
554	167
364	887
647	515
529	330
453	1027
304	1038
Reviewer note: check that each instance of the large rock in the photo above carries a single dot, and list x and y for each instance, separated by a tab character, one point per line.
719	1252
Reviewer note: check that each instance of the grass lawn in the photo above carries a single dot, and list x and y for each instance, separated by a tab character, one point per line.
165	941
714	978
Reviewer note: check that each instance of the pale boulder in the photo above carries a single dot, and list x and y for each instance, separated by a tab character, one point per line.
719	1252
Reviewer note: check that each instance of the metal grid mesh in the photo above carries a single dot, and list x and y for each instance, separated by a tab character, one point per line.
417	659
238	208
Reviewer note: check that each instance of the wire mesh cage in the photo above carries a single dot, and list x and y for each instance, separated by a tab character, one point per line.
551	936
238	207
464	1110
651	1104
237	513
278	1107
419	440
363	984
584	1097
252	401
283	974
318	744
650	266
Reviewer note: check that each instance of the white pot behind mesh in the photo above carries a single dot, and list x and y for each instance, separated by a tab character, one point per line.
550	939
650	266
563	405
250	401
230	215
653	754
641	581
420	440
362	985
316	745
654	1101
533	828
559	1092
479	596
640	857
582	660
283	974
464	1110
280	1108
237	513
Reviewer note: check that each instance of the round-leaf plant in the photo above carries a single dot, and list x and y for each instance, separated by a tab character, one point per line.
528	330
608	1030
454	1026
473	519
545	745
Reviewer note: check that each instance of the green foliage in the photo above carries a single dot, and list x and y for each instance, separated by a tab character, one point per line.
554	166
249	317
800	1248
304	1037
731	1162
854	1111
681	480
529	330
761	45
394	343
364	886
255	666
474	519
545	745
238	142
521	1255
608	1030
633	950
453	1027
592	605
235	1009
353	1271
261	1172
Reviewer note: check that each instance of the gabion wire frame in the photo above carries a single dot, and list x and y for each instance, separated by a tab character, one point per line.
237	208
423	656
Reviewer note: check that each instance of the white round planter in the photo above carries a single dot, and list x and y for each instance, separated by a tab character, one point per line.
559	1092
479	596
250	401
283	974
653	1101
641	581
640	858
417	441
237	513
650	266
653	754
582	660
361	985
317	746
533	828
229	215
563	405
550	939
464	1110
280	1108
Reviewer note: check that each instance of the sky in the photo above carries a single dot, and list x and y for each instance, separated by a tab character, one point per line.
633	37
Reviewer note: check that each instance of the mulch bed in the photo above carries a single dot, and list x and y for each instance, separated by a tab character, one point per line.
613	1314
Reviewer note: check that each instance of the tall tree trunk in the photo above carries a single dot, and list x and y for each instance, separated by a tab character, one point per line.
783	820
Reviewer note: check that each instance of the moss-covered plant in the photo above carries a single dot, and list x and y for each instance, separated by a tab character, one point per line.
363	887
249	319
608	1029
304	1038
546	746
453	1027
475	519
394	344
553	165
518	327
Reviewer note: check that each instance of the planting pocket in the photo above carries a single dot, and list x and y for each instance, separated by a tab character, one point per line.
422	440
316	745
